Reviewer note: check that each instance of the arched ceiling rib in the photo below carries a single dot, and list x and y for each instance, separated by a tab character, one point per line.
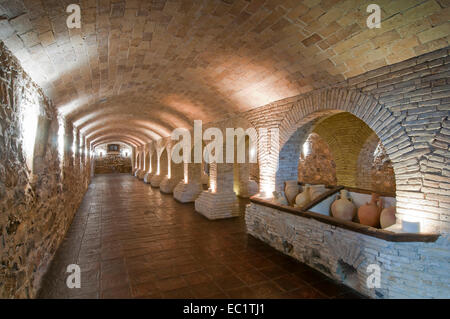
111	141
168	63
120	125
106	138
127	132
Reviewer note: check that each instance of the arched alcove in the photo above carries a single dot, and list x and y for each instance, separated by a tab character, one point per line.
333	144
316	164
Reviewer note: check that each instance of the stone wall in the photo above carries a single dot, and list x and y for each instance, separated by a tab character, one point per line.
111	163
375	171
316	164
408	269
36	206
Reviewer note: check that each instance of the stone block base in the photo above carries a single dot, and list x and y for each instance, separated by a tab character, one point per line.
168	184
156	180
141	175
136	172
187	193
148	178
217	205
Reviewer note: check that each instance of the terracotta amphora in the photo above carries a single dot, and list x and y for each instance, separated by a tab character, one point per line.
369	214
387	217
343	207
316	191
291	190
303	198
279	198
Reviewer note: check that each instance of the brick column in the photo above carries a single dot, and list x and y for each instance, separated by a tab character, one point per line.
220	200
190	187
161	170
152	169
141	172
174	176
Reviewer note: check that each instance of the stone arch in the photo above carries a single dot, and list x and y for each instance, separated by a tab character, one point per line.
377	116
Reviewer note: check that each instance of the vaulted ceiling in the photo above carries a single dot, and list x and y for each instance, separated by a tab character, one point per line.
137	69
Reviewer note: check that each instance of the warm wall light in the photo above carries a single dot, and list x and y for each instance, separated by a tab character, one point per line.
61	131
30	113
252	154
212	185
306	149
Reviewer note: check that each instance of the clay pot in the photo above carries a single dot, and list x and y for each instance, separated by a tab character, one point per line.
279	198
343	207
291	190
316	191
303	198
369	214
387	217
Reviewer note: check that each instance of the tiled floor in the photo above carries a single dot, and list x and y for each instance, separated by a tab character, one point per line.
131	241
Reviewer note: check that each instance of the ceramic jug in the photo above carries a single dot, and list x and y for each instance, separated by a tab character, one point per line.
303	198
369	214
291	190
343	207
316	191
279	198
387	217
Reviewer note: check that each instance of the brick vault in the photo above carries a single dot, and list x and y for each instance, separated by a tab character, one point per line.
324	98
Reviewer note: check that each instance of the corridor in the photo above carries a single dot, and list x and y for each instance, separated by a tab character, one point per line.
131	241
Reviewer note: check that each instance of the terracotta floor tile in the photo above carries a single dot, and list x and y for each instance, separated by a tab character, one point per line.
171	283
252	277
206	290
132	241
229	282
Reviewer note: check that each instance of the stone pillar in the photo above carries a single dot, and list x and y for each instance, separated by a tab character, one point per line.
174	176
152	169
190	187
220	200
133	160
162	169
141	173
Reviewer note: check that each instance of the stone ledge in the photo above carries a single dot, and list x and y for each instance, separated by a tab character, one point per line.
363	229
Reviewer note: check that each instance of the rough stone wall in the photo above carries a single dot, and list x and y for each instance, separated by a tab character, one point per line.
375	171
36	208
111	163
317	165
408	270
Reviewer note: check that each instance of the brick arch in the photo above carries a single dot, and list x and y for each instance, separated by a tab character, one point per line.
379	118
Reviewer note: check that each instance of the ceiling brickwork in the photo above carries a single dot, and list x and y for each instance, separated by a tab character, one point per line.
140	68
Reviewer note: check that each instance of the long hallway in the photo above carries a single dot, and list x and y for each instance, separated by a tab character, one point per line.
131	241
